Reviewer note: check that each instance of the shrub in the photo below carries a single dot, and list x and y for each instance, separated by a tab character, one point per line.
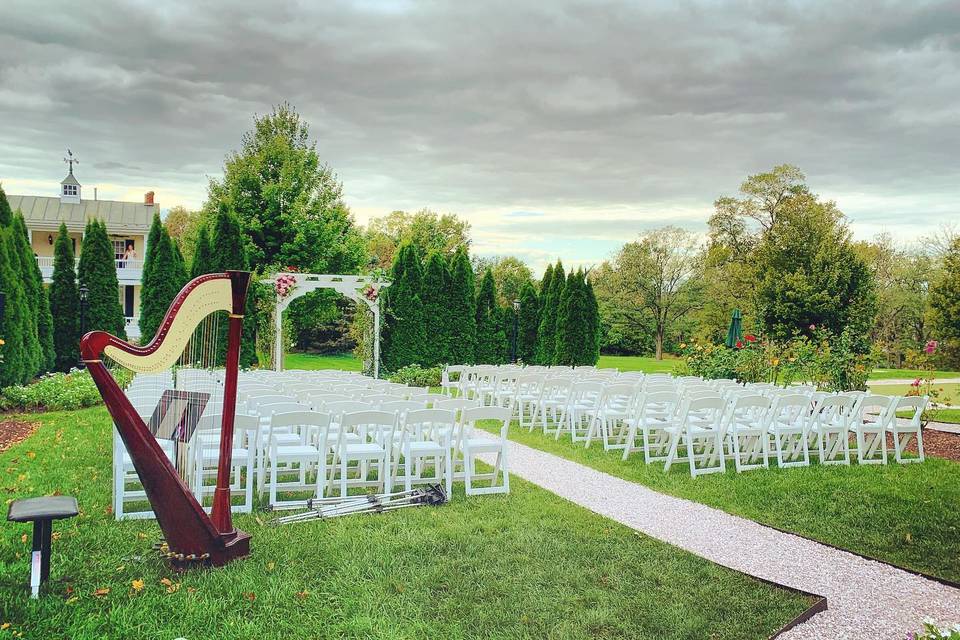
56	392
417	376
931	632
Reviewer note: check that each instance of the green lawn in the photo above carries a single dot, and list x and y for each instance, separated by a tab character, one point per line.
907	515
349	362
948	393
527	565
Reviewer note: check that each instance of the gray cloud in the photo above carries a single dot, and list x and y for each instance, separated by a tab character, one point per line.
630	111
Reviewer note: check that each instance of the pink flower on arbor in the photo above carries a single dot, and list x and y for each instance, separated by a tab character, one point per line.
813	327
931	347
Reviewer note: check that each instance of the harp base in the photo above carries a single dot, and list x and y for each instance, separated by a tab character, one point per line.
235	545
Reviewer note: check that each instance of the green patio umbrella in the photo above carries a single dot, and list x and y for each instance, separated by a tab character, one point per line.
735	332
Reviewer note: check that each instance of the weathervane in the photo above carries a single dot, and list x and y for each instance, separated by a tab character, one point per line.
70	160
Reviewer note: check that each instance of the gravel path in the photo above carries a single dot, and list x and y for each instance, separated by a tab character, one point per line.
865	599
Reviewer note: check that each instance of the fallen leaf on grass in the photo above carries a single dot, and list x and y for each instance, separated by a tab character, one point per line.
72	599
173	588
166	582
191	589
303	595
31	455
271	566
23	538
102	591
259	521
250	597
4	626
55	535
137	585
909	538
141	535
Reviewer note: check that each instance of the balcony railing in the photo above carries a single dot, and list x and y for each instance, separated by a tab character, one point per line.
126	269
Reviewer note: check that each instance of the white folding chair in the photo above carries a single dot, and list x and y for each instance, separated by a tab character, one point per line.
617	405
426	435
375	431
300	459
789	429
902	433
870	423
657	412
831	428
701	429
469	445
206	458
746	430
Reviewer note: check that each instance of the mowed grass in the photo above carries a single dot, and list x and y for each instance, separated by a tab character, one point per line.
946	393
908	515
527	565
349	362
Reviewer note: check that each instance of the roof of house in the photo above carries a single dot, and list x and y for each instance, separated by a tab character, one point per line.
70	179
121	217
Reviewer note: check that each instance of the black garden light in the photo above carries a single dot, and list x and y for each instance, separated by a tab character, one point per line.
516	321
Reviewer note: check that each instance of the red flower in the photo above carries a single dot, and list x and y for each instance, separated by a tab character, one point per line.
750	337
739	344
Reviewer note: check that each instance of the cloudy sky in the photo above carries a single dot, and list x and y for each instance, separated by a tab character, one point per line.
559	129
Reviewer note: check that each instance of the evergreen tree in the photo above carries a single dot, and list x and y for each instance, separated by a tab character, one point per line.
40	298
98	272
503	338
550	301
160	287
436	311
229	254
24	263
489	322
945	303
592	322
545	285
153	238
574	342
202	254
64	304
528	323
461	311
15	360
404	332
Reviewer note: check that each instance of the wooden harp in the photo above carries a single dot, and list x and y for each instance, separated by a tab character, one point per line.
191	535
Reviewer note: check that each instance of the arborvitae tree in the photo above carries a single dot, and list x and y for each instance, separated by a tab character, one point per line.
436	311
64	304
26	265
550	301
592	322
44	319
461	311
229	254
572	336
160	287
527	324
489	322
544	292
98	272
202	254
16	366
153	237
404	334
503	339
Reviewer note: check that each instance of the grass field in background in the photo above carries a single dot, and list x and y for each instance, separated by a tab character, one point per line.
902	513
949	393
524	565
349	362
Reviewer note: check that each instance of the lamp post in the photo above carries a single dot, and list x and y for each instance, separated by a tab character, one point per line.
83	316
516	322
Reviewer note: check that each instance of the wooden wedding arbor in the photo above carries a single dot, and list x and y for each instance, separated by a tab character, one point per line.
357	288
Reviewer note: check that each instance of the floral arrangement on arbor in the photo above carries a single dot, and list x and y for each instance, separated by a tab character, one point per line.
284	285
370	292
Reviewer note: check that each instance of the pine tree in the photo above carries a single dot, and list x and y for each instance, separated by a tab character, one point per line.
461	311
404	334
98	272
571	334
64	304
550	301
202	254
436	312
15	366
489	321
229	254
528	323
160	287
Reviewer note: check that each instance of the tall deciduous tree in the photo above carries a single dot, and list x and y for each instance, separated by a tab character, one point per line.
404	334
64	304
429	231
658	277
945	302
528	323
550	302
436	312
461	310
809	273
510	274
98	272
